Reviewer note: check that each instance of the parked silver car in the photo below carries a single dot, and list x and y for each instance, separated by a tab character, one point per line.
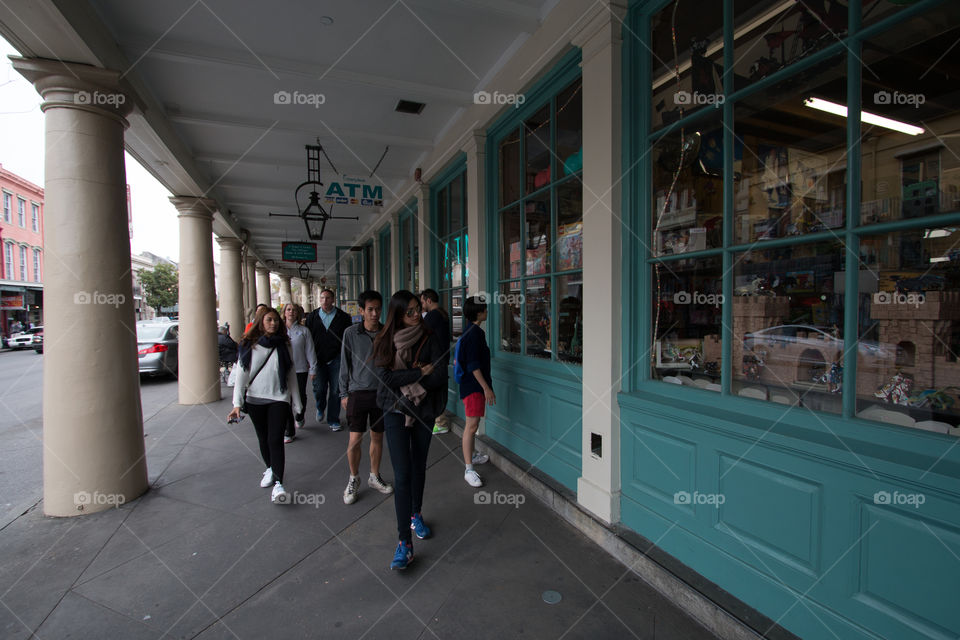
157	347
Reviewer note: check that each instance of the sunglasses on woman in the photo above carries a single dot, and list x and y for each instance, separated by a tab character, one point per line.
412	312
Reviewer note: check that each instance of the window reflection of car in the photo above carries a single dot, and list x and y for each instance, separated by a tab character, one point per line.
804	351
157	348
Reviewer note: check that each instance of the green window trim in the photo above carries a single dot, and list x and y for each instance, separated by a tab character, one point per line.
444	235
541	95
638	307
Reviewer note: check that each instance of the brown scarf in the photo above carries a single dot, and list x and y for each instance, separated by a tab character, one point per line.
405	341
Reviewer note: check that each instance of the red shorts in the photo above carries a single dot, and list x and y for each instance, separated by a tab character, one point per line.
475	405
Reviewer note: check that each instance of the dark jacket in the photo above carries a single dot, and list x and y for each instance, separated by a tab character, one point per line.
227	348
472	353
327	342
439	323
388	392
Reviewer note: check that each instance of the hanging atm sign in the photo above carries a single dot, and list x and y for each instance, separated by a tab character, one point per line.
354	191
299	251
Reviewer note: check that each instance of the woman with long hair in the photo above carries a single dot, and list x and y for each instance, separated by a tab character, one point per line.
266	388
304	362
412	393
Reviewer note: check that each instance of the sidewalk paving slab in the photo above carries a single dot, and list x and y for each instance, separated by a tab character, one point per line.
205	554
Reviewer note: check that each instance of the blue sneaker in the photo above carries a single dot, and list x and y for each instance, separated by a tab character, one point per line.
416	523
335	426
403	556
319	416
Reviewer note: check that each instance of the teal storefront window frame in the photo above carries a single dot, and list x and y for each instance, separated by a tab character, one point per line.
639	138
541	94
456	168
384	257
840	457
407	228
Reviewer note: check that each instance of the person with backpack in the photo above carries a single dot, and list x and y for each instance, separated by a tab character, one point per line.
438	320
471	370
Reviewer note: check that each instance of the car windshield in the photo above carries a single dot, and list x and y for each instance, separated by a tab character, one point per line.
150	332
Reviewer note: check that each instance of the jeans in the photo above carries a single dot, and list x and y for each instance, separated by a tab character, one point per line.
408	452
326	390
269	421
302	385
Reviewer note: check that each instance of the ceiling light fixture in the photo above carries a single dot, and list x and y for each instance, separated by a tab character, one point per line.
865	116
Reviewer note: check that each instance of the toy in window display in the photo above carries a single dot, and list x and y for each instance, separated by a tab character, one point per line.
938	399
753	364
833	378
896	391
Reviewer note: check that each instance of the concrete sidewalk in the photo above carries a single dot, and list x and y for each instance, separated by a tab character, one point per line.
204	554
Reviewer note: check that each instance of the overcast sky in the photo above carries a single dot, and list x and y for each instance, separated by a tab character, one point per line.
155	226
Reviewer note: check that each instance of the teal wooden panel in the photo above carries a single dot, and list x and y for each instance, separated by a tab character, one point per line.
661	465
918	583
750	489
536	418
796	519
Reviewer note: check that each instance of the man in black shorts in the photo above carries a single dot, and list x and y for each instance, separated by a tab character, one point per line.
358	396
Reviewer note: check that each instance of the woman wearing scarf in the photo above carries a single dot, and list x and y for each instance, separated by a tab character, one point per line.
265	357
412	393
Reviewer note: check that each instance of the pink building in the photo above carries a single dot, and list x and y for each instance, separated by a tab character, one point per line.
21	252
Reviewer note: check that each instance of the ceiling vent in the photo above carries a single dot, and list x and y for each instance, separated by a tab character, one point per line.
406	106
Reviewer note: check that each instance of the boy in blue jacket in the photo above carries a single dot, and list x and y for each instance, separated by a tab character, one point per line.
471	368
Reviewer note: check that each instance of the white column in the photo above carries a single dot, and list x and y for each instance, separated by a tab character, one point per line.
306	298
263	286
231	291
426	238
244	286
475	148
250	267
285	292
199	375
93	453
598	489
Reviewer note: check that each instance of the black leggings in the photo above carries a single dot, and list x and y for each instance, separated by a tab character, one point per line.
302	384
408	452
269	420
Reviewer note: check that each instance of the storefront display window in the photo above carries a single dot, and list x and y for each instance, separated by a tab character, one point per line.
540	232
450	206
409	249
762	189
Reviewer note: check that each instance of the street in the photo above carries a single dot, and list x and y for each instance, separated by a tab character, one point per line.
21	412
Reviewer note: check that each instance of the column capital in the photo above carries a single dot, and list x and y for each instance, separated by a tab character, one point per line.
230	244
476	143
250	260
77	86
190	206
601	28
423	192
262	270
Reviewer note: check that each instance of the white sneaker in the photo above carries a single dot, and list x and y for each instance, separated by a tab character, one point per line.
267	478
279	495
350	493
300	424
472	478
479	458
378	483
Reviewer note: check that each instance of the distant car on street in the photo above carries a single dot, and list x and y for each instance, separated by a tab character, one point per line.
24	339
157	348
37	341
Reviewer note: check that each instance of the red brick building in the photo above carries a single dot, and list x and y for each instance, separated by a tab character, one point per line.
21	251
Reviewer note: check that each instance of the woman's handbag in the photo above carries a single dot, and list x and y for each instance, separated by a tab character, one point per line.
244	407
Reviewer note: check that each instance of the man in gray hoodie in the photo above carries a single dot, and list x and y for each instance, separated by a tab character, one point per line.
358	396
